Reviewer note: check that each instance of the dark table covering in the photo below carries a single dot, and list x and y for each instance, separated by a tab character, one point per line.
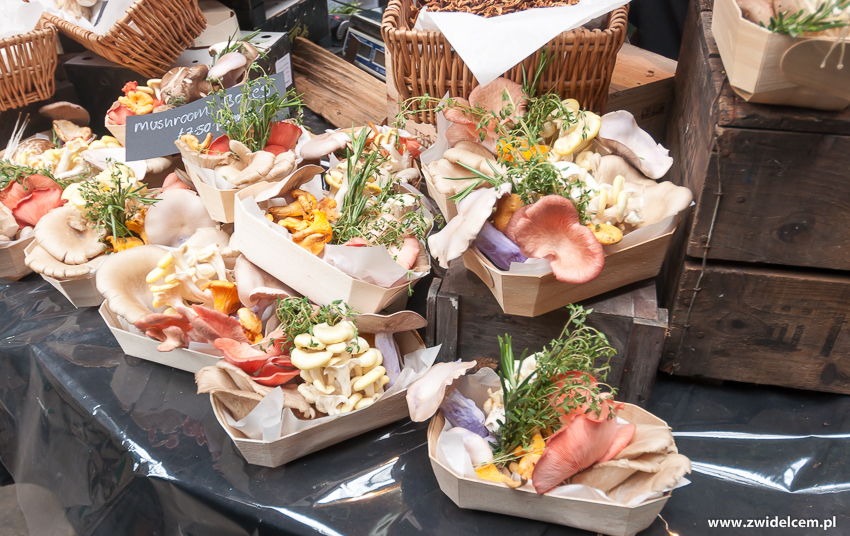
106	444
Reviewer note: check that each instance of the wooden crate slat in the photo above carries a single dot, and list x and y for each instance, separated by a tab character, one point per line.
763	325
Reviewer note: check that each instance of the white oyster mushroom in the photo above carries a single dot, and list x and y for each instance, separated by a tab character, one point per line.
621	134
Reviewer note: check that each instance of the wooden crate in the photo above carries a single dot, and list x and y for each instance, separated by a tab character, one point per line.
781	175
466	319
783	170
642	83
762	325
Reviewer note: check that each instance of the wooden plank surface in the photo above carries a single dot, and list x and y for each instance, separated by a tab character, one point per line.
786	199
762	325
335	89
642	83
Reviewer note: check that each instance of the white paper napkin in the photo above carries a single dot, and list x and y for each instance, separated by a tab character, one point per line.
491	46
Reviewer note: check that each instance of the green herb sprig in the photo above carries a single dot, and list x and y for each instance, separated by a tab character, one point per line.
298	315
360	214
802	23
110	207
561	384
250	120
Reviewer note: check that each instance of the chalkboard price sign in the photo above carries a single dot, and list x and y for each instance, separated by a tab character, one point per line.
152	135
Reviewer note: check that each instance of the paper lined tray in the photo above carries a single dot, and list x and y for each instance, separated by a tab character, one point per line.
592	515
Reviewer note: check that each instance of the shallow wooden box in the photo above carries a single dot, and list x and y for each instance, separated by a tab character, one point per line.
594	516
81	292
145	347
12	259
293	446
446	205
758	65
220	203
303	271
533	295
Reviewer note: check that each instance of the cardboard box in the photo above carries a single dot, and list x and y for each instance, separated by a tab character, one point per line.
533	295
771	68
293	446
145	348
594	516
12	257
221	24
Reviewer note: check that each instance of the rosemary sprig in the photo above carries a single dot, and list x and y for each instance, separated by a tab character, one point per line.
248	118
109	207
234	43
298	315
561	383
361	214
802	22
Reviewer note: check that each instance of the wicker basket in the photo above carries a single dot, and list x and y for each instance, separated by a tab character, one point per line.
424	62
27	65
147	39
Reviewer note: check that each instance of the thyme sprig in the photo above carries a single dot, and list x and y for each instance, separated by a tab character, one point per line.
562	383
298	315
109	206
803	23
11	172
361	214
248	118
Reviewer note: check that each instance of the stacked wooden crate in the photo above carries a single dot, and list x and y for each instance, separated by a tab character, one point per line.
772	187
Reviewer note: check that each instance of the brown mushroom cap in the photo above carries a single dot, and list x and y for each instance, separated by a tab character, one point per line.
67	111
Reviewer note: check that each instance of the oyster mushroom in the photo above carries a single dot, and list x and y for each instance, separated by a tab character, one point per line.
35	206
256	287
621	134
68	111
550	228
426	394
324	144
673	468
121	281
607	475
175	217
472	212
230	70
8	226
42	262
65	234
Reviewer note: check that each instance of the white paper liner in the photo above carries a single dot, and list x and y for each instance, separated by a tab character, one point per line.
270	420
104	14
369	264
451	453
19	17
492	46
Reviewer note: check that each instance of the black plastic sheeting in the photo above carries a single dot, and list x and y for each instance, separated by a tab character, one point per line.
112	445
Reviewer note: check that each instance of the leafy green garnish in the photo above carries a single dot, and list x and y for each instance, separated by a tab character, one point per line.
562	383
109	206
802	23
361	213
248	118
298	315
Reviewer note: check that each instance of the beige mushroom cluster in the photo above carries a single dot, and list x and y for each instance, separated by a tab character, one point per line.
650	463
341	372
67	246
183	276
